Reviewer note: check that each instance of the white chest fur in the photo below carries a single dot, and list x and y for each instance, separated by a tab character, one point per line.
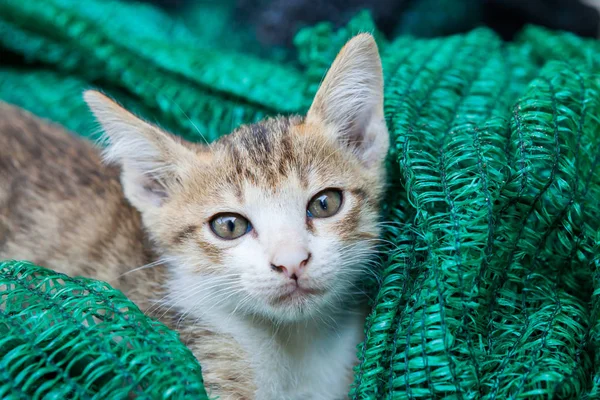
311	360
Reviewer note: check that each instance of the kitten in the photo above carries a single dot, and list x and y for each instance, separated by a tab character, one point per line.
254	244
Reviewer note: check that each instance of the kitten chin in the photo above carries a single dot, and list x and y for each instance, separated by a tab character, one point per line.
254	247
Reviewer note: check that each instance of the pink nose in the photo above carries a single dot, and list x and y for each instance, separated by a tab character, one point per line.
290	262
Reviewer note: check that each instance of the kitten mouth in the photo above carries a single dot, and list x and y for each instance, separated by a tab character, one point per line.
297	293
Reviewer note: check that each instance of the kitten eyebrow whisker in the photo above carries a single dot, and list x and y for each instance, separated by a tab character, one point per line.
148	82
192	122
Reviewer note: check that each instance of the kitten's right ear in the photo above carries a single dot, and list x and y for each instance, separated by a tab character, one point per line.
149	157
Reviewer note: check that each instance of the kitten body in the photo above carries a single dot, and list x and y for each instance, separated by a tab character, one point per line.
273	313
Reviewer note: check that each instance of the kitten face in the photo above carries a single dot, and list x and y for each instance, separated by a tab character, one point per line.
272	190
276	219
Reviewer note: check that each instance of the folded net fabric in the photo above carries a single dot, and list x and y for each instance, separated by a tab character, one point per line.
489	279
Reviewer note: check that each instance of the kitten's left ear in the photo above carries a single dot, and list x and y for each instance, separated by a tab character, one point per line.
350	101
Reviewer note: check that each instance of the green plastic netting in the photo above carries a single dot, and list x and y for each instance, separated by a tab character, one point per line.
67	338
490	283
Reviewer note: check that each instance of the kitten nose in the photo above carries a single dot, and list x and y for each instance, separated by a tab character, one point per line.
290	262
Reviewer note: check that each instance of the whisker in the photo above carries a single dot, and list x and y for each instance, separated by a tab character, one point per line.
149	265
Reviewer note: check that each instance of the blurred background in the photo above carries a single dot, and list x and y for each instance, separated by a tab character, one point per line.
267	27
209	65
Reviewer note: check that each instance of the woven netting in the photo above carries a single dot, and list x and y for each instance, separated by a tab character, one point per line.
64	338
488	286
490	276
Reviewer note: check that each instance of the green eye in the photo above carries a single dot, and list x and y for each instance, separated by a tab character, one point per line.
230	226
325	204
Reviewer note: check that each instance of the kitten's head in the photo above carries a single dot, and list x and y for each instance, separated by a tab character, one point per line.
276	219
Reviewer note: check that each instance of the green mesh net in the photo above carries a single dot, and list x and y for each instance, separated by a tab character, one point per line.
490	277
486	289
66	338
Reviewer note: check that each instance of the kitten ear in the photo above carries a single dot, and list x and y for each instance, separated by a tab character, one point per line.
149	157
350	100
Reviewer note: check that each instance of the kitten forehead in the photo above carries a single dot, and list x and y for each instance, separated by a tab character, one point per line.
268	153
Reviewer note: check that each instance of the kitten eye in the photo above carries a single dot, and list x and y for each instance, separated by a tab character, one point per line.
230	226
325	204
